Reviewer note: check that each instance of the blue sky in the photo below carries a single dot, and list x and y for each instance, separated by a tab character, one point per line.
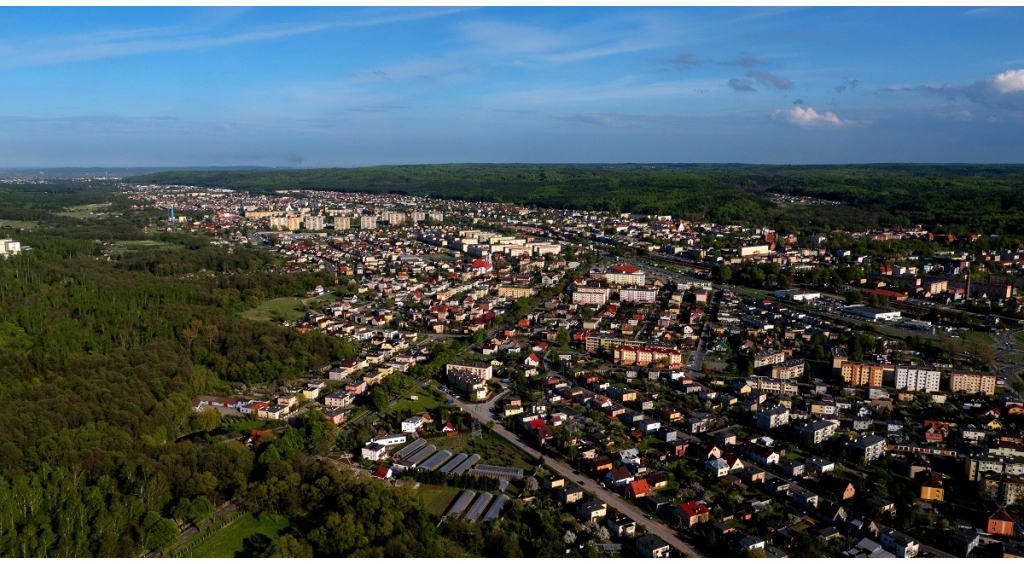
364	86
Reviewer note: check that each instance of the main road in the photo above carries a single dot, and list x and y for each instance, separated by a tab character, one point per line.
482	411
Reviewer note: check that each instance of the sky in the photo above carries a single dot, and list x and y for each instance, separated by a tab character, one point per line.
335	86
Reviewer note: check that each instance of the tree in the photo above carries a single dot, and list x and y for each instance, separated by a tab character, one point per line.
380	400
563	338
200	510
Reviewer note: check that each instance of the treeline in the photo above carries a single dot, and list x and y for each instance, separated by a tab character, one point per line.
960	198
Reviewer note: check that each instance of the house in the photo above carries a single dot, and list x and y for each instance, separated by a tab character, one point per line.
804	497
382	472
374	452
836	488
747	543
965	541
657	504
717	467
999	522
638	489
931	488
619	476
449	430
412	424
793	468
569	494
338	415
903	546
651	546
760	454
691	513
620	525
593	511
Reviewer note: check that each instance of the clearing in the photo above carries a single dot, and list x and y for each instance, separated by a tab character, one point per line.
84	212
288	309
15	224
227	541
437	498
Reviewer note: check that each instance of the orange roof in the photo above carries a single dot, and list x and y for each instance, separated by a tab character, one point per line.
639	487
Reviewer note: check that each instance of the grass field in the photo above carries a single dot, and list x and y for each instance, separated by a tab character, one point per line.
15	224
437	498
227	541
425	399
979	338
289	309
1019	337
83	212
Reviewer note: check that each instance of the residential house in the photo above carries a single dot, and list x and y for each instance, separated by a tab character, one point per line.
903	546
691	513
651	546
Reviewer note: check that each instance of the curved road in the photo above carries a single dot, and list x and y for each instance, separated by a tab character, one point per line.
482	412
1006	345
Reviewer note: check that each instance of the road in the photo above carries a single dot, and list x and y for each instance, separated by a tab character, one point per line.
482	412
1007	345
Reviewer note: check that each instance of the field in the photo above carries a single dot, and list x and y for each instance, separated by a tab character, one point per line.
227	541
975	337
425	400
436	498
84	212
14	224
289	309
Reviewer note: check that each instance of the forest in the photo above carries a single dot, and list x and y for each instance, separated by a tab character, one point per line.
953	198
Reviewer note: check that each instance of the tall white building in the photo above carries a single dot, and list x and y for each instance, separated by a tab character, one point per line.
915	379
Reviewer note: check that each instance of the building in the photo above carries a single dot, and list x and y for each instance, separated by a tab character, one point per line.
638	295
916	379
590	296
871	447
620	525
339	398
818	431
972	383
9	247
625	275
651	546
862	374
514	292
789	369
932	490
772	418
753	250
367	222
629	355
374	452
470	378
313	223
691	513
874	313
999	522
903	546
768	358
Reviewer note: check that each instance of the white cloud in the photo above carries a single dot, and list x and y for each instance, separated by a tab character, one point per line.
809	117
1009	81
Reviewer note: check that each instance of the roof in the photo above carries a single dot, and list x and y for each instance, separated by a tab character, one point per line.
694	508
639	487
624	268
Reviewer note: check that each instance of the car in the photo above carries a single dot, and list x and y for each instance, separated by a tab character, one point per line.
449	402
647	516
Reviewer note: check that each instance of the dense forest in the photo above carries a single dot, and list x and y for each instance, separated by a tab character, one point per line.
957	198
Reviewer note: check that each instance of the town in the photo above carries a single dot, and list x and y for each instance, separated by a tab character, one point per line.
676	387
